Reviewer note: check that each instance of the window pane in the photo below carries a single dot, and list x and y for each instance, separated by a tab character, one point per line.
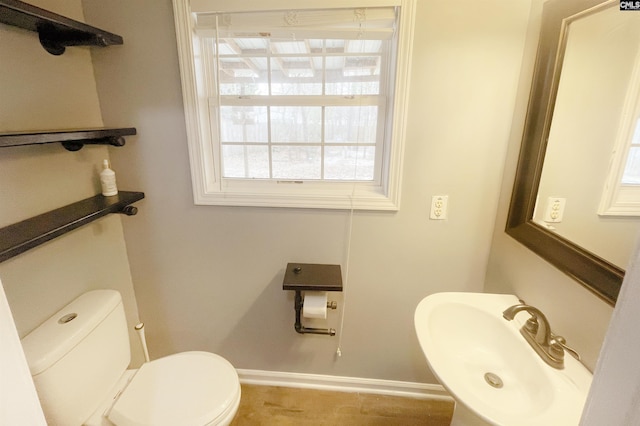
289	46
631	175
315	45
243	66
295	76
334	45
296	162
243	76
632	169
353	75
636	134
296	124
243	124
363	46
349	162
351	124
240	45
245	161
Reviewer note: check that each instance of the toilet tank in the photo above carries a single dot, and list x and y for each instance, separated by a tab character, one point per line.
78	355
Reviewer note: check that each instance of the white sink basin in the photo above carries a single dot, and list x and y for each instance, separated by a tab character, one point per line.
488	366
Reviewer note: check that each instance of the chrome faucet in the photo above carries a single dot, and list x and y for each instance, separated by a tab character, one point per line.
537	333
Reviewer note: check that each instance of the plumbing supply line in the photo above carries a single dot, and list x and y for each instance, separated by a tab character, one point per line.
143	341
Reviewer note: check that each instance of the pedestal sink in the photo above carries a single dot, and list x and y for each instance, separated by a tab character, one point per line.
491	371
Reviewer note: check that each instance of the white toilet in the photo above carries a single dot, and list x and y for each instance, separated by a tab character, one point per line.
79	357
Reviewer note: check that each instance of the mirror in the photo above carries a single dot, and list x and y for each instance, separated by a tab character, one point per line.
580	95
595	118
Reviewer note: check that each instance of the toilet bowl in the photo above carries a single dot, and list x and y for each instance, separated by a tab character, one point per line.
78	361
188	388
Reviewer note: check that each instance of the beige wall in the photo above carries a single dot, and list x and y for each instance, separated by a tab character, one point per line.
574	312
211	277
39	91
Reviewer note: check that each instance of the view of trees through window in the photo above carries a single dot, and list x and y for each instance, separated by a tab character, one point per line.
309	109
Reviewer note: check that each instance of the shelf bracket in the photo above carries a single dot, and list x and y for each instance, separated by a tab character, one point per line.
50	45
77	145
55	41
55	32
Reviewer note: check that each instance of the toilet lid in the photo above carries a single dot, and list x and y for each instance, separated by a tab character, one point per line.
189	388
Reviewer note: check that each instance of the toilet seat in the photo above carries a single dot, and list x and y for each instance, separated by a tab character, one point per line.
188	388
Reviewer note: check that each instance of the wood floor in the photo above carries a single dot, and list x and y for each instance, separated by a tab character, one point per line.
282	406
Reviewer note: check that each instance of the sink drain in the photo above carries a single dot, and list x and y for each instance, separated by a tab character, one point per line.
493	379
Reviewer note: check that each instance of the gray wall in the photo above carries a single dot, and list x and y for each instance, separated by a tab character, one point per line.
210	277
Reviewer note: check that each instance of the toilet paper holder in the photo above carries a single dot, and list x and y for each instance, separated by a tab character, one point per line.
301	277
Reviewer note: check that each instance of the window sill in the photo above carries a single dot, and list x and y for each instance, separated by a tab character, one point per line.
360	199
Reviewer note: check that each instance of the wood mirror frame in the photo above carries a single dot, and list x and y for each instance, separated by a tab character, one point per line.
590	270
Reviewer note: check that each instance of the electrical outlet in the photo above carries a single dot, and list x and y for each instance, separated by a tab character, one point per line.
439	204
555	209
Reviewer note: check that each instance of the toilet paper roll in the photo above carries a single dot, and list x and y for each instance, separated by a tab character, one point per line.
315	304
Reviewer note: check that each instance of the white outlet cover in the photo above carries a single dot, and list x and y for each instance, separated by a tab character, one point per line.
439	205
555	209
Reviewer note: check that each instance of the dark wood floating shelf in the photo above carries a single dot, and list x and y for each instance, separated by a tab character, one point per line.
71	139
54	31
22	236
312	277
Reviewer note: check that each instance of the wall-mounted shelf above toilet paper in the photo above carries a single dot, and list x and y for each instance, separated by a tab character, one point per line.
311	277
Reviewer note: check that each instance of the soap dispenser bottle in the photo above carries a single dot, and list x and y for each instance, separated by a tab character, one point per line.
108	180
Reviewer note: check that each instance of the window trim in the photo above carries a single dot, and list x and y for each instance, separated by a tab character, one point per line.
210	189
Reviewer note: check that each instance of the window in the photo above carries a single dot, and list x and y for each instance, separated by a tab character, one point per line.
304	109
621	195
299	107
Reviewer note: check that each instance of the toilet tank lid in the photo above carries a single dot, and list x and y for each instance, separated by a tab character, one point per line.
55	337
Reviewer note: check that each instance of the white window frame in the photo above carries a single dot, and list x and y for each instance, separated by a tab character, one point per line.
208	186
619	199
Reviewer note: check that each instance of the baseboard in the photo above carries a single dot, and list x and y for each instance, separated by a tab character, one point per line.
343	384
